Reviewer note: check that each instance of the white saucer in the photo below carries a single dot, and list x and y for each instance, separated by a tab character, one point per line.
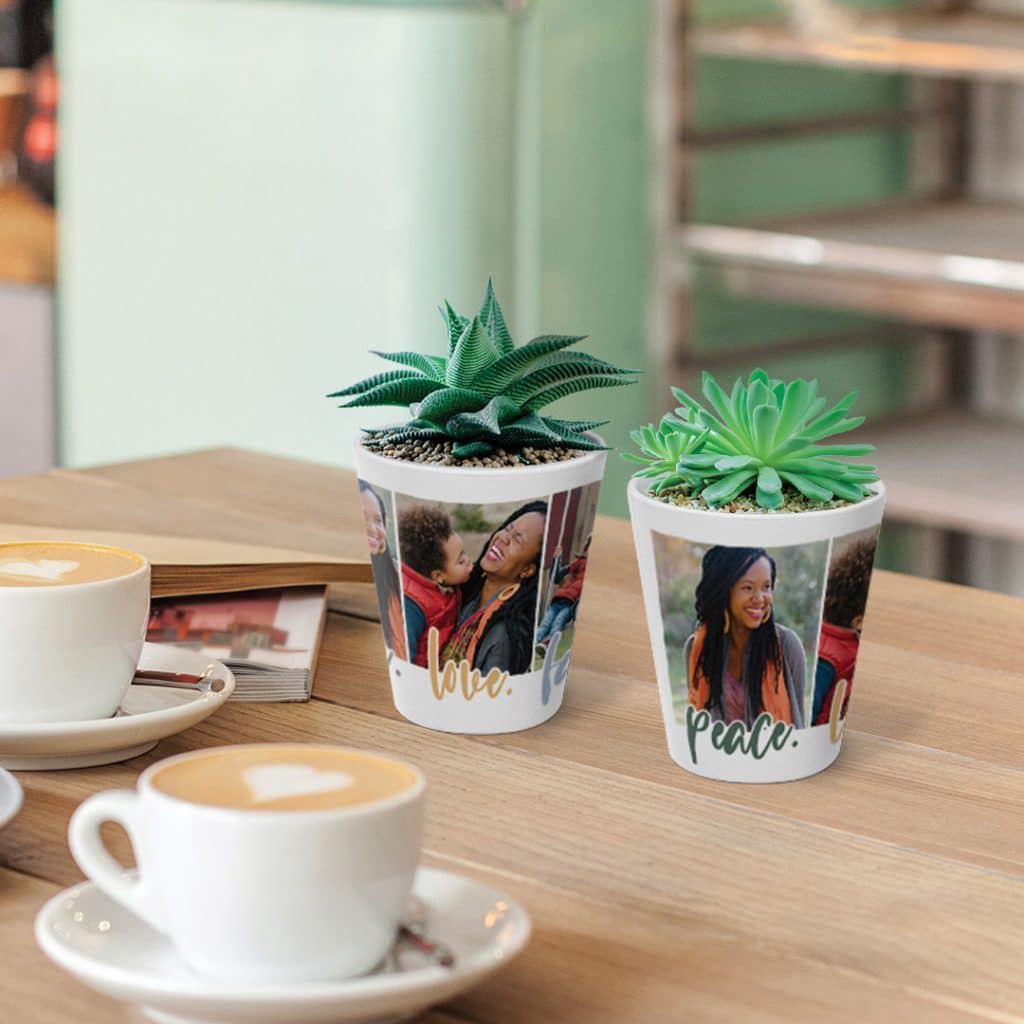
147	714
109	949
11	796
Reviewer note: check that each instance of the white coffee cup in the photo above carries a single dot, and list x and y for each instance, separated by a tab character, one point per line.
68	650
261	896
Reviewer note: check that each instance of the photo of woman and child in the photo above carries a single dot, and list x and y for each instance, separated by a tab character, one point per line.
741	628
846	598
471	572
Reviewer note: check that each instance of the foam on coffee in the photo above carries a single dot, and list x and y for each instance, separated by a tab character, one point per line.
278	777
56	564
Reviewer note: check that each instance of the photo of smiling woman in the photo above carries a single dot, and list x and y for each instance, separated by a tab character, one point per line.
499	601
740	661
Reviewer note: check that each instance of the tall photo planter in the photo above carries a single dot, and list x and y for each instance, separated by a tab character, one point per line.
479	574
803	577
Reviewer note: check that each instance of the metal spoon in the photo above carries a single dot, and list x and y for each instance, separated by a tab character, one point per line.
206	683
412	932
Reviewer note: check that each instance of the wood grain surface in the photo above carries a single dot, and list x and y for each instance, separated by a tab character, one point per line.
888	888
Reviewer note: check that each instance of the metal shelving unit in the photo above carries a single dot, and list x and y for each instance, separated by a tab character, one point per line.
942	259
950	44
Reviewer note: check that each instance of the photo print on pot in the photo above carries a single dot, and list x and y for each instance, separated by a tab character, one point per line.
741	628
382	539
471	577
846	598
566	550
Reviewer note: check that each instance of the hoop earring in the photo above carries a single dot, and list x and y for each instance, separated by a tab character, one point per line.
728	622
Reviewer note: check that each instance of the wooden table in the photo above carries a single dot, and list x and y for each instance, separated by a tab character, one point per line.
888	888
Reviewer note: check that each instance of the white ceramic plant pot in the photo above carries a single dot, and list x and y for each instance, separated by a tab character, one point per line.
812	552
482	676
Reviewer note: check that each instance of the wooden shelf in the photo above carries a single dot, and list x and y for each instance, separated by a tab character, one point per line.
966	45
28	239
952	471
956	264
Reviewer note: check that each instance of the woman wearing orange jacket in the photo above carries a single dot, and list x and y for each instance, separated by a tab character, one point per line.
740	661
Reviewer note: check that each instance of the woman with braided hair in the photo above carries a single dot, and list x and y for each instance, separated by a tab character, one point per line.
499	601
740	661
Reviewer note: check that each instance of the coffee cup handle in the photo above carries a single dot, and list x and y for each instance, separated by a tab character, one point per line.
120	806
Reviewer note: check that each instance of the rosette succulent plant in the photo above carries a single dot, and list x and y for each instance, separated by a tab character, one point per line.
487	394
762	436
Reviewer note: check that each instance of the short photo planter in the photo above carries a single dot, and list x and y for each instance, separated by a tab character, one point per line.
479	574
795	585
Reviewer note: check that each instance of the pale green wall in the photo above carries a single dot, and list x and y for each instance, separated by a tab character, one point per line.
584	252
254	193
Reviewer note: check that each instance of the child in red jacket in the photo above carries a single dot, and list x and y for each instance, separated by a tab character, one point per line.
846	597
434	566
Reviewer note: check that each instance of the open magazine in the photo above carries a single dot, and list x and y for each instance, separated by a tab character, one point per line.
268	638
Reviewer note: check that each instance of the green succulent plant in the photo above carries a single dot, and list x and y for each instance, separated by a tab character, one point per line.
487	393
661	449
763	435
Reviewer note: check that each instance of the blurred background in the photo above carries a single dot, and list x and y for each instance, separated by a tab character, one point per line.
250	194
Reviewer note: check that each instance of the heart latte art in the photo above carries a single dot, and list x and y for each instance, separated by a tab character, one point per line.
44	569
284	777
62	564
280	781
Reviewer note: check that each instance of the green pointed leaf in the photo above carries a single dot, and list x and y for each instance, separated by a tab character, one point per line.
494	321
430	366
699	461
572	439
456	325
794	406
571	387
758	394
440	406
768	480
720	403
729	487
580	426
493	379
376	380
473	351
763	424
564	368
472	449
529	429
398	435
486	421
737	400
808	486
847	489
394	392
768	499
688	405
730	463
842	427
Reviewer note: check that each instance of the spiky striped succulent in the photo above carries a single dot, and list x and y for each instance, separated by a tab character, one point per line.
762	436
487	394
